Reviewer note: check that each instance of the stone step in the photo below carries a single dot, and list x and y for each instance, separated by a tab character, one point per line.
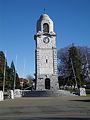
47	93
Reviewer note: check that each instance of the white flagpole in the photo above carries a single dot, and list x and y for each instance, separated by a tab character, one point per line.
15	73
24	68
4	75
23	73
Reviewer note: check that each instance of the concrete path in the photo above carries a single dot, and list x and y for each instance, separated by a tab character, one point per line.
46	108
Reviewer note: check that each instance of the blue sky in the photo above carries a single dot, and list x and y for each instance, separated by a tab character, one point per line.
18	25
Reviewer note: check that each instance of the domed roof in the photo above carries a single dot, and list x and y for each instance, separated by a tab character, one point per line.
44	19
44	16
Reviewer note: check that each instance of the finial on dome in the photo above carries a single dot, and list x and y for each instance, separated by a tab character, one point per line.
44	10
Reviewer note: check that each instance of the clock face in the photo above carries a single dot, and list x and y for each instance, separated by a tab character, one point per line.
46	40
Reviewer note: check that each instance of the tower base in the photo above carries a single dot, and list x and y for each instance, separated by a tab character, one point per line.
47	82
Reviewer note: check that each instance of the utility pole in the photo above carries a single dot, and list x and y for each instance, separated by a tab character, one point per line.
74	73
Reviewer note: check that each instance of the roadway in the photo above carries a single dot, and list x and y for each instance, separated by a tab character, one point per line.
46	108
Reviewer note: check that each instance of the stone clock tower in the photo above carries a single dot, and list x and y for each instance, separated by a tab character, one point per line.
45	55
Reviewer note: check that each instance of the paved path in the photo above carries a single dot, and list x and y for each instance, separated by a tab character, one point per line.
46	108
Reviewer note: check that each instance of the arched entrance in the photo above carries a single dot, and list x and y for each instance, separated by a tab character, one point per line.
47	83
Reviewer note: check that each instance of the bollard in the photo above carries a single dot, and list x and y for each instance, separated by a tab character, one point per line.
1	96
12	94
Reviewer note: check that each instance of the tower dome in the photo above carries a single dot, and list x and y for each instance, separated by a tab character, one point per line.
44	16
44	24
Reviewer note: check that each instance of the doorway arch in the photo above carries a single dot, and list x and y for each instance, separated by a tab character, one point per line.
47	83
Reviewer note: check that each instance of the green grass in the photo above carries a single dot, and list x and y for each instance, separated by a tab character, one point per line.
88	95
88	91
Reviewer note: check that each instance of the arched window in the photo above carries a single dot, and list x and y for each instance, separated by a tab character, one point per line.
45	28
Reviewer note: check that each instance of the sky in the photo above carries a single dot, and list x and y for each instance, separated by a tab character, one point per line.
18	26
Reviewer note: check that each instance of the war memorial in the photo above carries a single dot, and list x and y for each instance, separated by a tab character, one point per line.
47	102
46	61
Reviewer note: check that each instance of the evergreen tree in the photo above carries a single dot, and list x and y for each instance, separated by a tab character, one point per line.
13	68
10	74
14	76
17	83
2	65
65	67
8	79
75	66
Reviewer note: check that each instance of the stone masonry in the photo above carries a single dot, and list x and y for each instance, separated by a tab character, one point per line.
45	55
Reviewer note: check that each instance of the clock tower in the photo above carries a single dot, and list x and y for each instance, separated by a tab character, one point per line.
45	55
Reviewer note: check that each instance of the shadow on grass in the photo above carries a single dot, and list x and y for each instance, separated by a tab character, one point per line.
81	100
49	118
59	118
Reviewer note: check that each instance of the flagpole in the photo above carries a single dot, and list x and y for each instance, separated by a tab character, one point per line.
14	79
4	76
23	73
15	75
